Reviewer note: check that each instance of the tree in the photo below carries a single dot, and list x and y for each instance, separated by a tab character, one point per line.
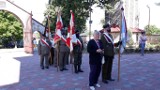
152	29
80	9
10	27
108	5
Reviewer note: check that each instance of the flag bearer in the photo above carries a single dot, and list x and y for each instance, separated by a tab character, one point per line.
77	53
44	50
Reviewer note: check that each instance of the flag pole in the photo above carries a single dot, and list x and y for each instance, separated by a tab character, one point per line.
58	12
49	31
119	53
57	56
72	50
72	62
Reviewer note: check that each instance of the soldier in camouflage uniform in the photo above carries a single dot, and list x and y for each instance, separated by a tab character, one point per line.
44	50
63	52
77	54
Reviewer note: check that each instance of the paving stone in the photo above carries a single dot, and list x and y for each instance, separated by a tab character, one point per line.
137	73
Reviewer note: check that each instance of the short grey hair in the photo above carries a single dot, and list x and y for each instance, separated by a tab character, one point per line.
96	32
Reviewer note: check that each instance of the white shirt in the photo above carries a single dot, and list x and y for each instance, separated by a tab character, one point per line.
52	42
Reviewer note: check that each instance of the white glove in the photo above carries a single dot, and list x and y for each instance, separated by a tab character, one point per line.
103	60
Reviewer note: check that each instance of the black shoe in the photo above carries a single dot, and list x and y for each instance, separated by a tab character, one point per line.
105	81
111	79
42	67
76	72
47	67
76	69
61	69
80	70
65	69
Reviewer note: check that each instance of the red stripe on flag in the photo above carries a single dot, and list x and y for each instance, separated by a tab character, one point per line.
71	32
59	26
68	40
56	38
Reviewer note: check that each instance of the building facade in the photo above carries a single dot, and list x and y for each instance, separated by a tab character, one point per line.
131	11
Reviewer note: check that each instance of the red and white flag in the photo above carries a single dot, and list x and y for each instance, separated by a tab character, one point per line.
59	25
71	37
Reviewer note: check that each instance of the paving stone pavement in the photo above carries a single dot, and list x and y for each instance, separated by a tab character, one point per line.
137	73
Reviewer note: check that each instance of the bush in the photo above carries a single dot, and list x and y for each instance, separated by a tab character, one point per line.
130	43
1	46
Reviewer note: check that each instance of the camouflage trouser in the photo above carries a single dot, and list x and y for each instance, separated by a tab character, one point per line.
77	58
55	57
63	57
44	58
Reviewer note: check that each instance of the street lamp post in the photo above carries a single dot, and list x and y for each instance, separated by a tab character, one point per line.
149	16
102	4
90	20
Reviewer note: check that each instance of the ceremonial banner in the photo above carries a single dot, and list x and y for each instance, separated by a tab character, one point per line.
124	33
59	25
71	37
37	26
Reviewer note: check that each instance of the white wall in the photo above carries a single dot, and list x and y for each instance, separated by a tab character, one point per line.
144	11
97	15
36	6
134	37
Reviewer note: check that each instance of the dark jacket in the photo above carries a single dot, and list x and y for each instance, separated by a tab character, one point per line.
94	57
108	47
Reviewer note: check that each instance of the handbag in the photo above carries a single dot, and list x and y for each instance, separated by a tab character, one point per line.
103	61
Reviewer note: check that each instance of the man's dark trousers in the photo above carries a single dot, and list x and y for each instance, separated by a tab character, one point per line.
107	68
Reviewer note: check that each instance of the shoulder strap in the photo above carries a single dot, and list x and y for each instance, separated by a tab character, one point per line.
108	38
45	43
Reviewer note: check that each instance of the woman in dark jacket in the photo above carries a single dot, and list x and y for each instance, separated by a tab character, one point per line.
95	51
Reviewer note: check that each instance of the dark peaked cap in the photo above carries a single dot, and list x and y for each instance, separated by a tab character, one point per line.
106	26
77	31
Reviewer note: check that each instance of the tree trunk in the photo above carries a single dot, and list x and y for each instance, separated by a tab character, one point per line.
107	17
15	43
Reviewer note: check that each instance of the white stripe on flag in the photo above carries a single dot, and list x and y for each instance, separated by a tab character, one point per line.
124	34
74	38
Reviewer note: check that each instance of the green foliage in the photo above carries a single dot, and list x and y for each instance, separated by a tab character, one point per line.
80	9
152	29
130	43
10	26
110	12
107	4
150	45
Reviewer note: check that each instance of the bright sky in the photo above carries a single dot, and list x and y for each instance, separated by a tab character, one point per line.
36	6
144	13
39	6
